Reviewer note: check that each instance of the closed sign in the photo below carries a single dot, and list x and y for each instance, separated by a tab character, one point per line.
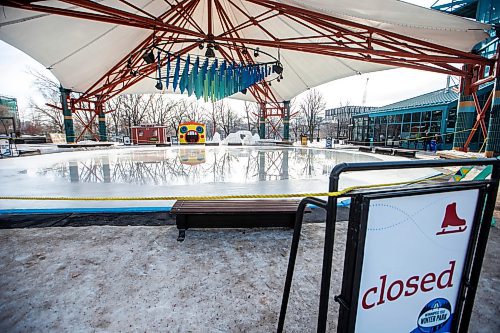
414	255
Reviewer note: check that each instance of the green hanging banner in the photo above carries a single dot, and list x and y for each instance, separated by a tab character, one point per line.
184	78
176	72
192	76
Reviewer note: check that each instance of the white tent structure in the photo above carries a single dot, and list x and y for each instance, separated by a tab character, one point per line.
96	47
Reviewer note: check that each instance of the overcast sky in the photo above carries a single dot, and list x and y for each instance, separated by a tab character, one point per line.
383	87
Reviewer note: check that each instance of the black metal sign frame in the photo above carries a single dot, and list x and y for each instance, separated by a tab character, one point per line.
331	212
354	257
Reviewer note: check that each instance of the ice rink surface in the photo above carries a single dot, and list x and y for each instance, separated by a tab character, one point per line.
180	171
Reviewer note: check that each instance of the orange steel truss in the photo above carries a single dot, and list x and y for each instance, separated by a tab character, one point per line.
333	36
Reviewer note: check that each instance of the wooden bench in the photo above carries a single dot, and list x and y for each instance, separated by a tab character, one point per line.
384	151
365	149
405	152
234	214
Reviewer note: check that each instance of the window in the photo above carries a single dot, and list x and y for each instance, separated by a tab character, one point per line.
436	115
452	118
141	133
415	117
426	117
407	117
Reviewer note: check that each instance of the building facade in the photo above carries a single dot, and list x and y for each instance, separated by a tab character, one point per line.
486	11
408	122
9	115
339	119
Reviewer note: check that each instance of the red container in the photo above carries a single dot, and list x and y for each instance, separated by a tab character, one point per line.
149	134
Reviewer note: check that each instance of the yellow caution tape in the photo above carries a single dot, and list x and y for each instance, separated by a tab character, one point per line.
223	197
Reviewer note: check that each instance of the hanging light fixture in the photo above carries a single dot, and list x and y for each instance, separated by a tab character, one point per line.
256	52
159	85
278	68
149	57
209	53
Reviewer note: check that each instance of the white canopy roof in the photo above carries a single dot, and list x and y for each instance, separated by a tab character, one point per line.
79	51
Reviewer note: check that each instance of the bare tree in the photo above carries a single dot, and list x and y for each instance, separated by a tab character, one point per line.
194	111
229	119
251	115
114	117
160	108
213	118
311	109
51	116
135	109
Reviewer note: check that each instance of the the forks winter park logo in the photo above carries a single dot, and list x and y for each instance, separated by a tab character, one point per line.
451	222
434	317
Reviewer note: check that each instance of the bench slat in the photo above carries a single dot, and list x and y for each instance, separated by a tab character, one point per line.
235	206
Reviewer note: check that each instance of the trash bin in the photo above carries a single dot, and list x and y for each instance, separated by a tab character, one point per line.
433	145
303	140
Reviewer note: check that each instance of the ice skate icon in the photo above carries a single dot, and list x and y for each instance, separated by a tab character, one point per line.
451	222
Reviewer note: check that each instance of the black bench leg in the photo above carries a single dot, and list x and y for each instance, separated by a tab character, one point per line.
182	235
180	221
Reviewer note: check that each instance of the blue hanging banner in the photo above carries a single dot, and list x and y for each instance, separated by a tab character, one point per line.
229	80
176	72
184	78
192	76
213	75
222	80
159	66
167	75
203	77
210	78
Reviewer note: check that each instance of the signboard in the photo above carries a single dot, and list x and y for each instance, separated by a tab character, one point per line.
4	147
174	140
126	140
328	142
411	255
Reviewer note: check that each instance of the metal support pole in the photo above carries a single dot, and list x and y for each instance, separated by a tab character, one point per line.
103	136
68	116
262	121
493	138
466	114
286	121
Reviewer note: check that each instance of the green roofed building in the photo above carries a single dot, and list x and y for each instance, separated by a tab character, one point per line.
405	123
8	110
